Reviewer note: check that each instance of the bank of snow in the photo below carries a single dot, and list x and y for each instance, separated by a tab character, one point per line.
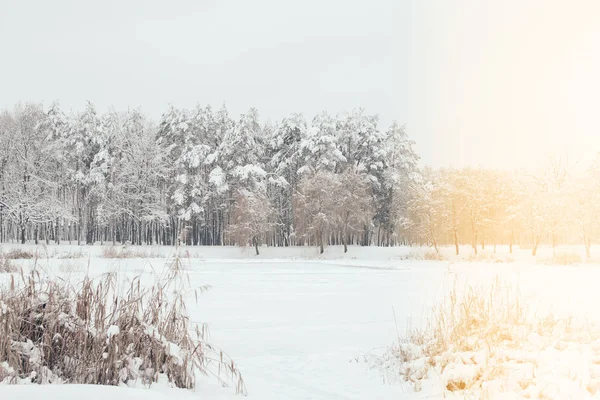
96	392
302	329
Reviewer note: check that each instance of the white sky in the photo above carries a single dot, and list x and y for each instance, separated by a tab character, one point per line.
487	82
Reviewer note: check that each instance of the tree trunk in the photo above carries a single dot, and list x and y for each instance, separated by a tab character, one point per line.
79	226
587	249
255	240
456	241
587	240
321	243
535	247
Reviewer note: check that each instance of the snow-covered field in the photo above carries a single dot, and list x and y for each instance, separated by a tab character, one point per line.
303	326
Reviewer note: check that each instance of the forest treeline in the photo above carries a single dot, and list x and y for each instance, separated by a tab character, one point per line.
201	177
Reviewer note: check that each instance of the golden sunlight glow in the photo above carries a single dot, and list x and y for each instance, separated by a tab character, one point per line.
512	81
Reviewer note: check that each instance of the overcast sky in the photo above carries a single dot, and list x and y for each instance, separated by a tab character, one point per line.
491	83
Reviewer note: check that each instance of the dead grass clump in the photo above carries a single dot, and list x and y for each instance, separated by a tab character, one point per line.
490	258
71	255
565	258
433	256
116	252
18	254
429	255
459	342
7	266
98	332
484	342
123	252
478	318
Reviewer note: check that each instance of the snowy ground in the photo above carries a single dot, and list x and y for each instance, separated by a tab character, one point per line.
299	325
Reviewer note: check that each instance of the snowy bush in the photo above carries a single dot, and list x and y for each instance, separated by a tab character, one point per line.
96	332
485	342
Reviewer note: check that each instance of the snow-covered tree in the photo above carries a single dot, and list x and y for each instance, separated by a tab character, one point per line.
241	154
320	147
360	141
285	151
28	192
118	177
396	169
135	183
87	165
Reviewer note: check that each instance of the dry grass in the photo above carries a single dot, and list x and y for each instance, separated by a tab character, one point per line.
429	255
462	329
7	266
489	257
99	332
563	258
71	255
479	318
19	254
123	252
483	342
433	256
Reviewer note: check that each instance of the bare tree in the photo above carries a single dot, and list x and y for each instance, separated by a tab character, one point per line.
354	207
425	215
250	217
315	206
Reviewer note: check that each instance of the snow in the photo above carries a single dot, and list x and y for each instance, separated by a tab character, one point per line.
304	326
78	392
113	330
217	178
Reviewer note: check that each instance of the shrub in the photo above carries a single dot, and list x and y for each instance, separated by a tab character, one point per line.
53	332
